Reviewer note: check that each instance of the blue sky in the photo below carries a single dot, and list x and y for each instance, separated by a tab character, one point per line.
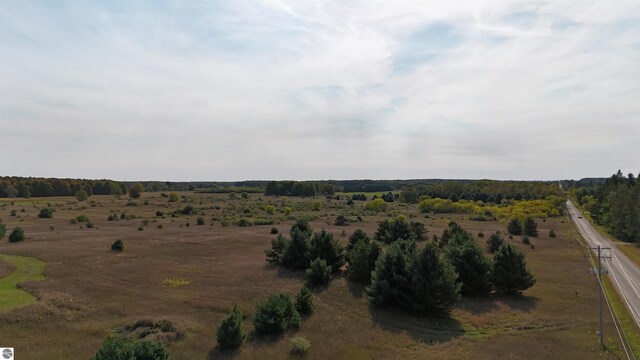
234	90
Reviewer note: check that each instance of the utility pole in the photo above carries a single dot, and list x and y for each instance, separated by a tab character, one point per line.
599	271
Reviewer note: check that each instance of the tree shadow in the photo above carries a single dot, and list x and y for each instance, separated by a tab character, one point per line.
290	274
429	330
517	302
217	353
477	305
356	289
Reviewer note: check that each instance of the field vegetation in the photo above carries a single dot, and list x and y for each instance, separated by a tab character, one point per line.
194	277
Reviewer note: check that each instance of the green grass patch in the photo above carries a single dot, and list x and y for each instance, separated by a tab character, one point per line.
628	324
27	269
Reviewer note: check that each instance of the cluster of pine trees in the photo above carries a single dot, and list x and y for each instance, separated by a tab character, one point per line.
616	205
425	281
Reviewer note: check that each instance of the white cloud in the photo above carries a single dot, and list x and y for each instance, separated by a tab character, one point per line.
279	89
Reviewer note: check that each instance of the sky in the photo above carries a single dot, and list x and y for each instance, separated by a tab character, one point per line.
240	90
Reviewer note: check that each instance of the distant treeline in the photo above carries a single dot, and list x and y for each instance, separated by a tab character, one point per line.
299	188
614	203
488	191
410	190
40	187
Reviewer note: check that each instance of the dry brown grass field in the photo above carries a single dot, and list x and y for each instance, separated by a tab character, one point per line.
90	290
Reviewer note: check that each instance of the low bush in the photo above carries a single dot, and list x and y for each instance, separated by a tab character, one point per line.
116	347
274	231
46	213
118	245
200	221
82	218
17	235
300	345
552	233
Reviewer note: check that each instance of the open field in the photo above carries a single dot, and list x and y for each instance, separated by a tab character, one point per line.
193	274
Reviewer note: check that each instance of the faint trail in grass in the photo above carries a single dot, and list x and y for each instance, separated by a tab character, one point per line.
27	269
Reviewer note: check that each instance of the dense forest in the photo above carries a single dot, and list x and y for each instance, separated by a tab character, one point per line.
614	203
41	187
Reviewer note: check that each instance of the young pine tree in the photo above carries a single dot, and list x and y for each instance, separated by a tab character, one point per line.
434	286
510	273
230	333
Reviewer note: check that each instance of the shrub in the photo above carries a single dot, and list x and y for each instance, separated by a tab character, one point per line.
73	221
317	274
188	210
530	227
341	220
316	205
274	231
376	205
480	234
3	230
552	234
276	315
159	213
270	209
300	345
173	197
136	190
121	347
525	240
200	221
17	235
510	273
244	223
493	242
118	245
230	333
82	195
13	213
244	195
287	210
261	221
82	218
45	213
142	229
304	301
514	227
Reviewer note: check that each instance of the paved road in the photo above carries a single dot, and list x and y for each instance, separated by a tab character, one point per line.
624	274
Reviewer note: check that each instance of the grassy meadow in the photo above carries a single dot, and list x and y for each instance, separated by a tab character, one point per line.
192	275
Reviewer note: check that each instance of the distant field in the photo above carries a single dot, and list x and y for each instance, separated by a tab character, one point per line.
88	290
